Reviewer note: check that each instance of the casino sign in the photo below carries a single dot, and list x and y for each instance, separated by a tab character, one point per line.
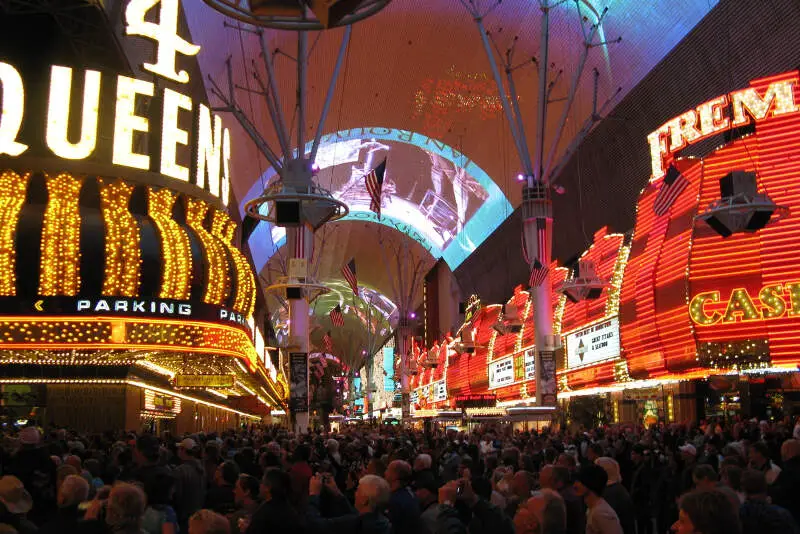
114	234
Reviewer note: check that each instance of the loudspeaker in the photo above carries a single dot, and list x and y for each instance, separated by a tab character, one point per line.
759	219
738	183
287	213
294	293
594	293
331	12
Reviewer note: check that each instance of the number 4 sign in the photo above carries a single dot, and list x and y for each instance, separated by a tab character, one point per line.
164	33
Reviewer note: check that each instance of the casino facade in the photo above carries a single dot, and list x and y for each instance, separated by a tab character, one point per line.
697	309
125	301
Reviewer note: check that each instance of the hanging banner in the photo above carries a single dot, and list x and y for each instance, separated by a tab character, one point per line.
298	392
547	376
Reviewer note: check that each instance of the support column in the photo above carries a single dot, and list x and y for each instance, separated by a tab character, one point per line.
301	240
402	344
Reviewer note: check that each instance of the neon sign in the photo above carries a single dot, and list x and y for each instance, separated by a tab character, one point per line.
773	302
718	115
207	140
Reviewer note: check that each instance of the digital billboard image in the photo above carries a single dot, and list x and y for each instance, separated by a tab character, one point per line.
431	192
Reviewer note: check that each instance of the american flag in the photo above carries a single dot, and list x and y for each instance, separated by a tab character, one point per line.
374	182
673	185
336	316
349	273
538	269
327	340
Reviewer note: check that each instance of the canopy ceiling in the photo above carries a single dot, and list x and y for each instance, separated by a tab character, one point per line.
417	79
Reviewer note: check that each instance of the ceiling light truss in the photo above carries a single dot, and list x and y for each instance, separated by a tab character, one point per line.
298	15
316	205
537	211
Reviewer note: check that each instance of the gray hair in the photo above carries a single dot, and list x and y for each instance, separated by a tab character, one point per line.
425	460
73	491
376	490
125	508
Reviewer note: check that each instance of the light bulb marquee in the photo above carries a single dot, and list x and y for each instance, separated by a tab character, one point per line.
114	233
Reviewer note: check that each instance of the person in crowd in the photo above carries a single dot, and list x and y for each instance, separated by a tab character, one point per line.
364	517
208	522
521	486
478	516
15	502
543	513
760	460
190	486
248	499
276	515
404	509
426	489
689	460
211	460
300	474
706	512
731	477
123	510
422	462
559	479
159	516
757	513
72	493
32	466
146	455
641	487
220	497
601	518
785	491
705	478
617	496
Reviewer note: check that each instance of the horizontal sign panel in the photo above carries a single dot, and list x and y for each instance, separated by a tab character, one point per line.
479	400
593	344
204	381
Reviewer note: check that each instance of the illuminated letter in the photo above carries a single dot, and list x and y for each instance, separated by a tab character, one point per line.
683	130
794	297
740	303
781	93
697	308
11	110
711	119
771	298
208	149
83	305
658	149
172	135
184	309
225	190
165	34
58	114
127	122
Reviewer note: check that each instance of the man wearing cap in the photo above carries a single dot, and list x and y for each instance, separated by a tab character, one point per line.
190	482
689	457
600	517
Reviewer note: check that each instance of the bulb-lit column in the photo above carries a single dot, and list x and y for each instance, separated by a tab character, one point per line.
301	240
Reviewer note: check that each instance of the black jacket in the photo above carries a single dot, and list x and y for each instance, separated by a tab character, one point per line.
618	498
404	512
276	516
348	523
486	519
785	491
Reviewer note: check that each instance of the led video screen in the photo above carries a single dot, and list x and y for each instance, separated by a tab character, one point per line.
431	192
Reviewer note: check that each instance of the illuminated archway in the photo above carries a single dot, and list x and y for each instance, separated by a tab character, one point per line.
433	193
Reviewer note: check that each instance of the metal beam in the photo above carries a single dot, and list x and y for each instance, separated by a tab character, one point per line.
331	90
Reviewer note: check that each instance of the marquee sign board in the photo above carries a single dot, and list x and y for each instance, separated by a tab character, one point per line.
204	381
593	344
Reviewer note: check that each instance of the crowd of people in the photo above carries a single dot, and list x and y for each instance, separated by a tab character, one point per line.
714	478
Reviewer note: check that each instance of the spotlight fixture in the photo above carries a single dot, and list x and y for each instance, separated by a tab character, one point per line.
585	284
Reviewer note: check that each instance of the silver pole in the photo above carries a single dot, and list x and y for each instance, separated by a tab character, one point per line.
522	150
331	88
302	61
541	114
280	125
